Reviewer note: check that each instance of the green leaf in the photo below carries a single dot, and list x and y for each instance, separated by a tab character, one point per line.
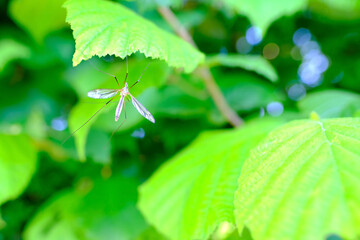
331	103
107	211
302	182
11	50
104	27
189	196
99	140
39	17
254	63
17	165
262	12
78	116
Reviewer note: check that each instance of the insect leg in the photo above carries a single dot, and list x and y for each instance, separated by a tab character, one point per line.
127	70
72	134
106	73
140	76
125	110
119	125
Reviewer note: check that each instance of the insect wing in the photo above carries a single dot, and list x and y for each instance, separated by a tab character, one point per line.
142	110
102	93
119	107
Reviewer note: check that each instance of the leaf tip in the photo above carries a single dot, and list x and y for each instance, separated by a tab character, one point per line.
314	116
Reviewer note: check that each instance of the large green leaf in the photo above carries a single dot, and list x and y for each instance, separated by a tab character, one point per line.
103	27
107	211
17	164
38	17
331	103
189	196
262	12
254	63
302	182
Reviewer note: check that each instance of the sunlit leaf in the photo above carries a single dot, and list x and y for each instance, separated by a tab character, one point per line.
189	196
302	182
38	17
262	13
17	165
331	103
11	50
245	235
104	27
108	211
254	63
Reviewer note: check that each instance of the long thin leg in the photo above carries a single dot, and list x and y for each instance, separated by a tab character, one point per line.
127	70
140	76
72	134
106	73
99	102
119	125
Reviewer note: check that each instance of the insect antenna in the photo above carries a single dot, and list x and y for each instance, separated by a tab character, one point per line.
96	68
127	70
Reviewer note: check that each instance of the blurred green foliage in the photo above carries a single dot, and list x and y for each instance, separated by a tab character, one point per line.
274	61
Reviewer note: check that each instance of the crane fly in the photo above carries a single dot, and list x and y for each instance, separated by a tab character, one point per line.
124	94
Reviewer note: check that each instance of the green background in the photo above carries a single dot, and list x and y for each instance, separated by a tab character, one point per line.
88	187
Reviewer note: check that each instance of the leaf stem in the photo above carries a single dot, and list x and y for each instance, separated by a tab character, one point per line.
204	72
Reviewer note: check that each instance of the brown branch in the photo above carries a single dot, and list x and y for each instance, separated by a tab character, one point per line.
204	72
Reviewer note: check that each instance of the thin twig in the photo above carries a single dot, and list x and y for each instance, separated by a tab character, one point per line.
204	72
